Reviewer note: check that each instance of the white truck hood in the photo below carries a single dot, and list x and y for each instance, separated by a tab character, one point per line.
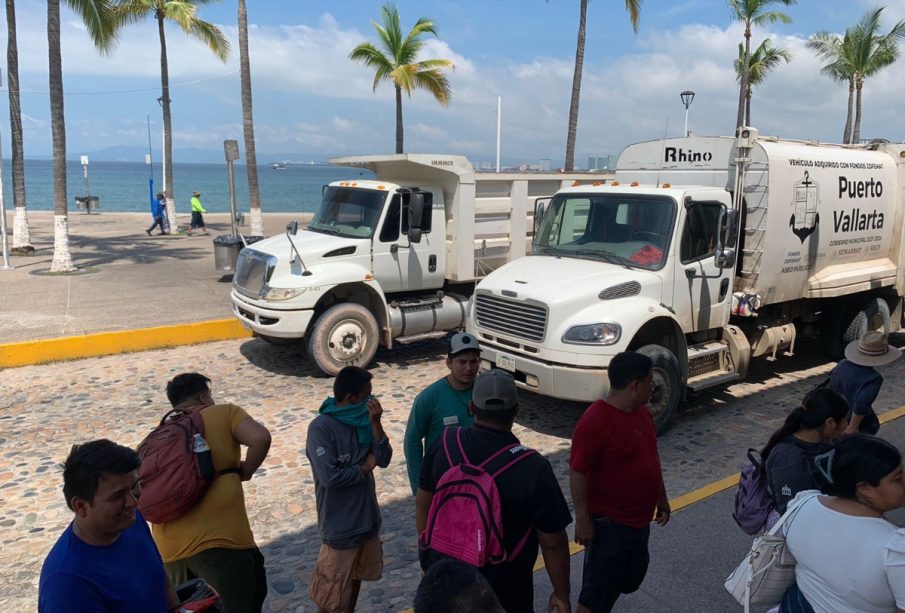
311	245
560	282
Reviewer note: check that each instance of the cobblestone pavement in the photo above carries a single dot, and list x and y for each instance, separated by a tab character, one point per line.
45	409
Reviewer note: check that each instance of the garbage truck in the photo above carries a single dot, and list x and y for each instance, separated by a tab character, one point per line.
702	253
387	260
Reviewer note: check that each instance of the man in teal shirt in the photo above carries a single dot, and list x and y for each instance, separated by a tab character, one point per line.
443	403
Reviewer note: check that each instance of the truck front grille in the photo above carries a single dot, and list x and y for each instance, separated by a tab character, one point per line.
522	319
253	271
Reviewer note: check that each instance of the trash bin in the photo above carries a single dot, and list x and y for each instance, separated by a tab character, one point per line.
88	203
226	252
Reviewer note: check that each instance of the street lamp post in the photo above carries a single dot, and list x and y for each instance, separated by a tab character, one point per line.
687	96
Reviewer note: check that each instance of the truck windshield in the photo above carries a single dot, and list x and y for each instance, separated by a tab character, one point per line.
633	231
346	211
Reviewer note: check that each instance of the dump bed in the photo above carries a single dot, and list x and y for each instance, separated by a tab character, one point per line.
489	216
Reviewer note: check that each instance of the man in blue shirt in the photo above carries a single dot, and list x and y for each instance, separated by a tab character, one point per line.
856	379
106	559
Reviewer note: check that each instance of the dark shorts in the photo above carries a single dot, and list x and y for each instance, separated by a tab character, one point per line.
614	564
197	220
237	574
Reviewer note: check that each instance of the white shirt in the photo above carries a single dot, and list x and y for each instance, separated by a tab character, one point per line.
847	564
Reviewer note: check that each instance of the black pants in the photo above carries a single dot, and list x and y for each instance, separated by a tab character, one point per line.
237	574
197	220
158	221
614	564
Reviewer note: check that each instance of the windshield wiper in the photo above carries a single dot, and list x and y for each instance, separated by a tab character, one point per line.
546	250
606	256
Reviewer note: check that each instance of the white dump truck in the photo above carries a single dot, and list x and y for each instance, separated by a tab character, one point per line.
388	260
702	254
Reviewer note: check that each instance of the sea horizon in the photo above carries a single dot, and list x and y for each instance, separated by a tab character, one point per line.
123	186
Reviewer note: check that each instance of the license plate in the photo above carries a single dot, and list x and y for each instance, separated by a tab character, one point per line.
506	362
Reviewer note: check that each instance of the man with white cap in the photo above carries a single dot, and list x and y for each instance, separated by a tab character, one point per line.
856	379
442	404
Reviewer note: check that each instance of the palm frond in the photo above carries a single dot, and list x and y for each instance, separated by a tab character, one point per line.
100	22
436	83
211	36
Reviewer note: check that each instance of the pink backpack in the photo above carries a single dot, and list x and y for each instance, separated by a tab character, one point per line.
465	520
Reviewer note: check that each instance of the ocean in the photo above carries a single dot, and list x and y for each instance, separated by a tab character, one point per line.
123	186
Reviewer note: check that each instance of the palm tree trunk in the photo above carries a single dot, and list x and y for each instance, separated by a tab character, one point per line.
746	71
856	130
248	126
21	234
398	119
748	107
62	259
167	125
847	136
576	88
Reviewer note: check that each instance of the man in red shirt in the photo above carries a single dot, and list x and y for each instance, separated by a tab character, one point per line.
617	485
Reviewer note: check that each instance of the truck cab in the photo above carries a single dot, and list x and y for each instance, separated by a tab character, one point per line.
613	267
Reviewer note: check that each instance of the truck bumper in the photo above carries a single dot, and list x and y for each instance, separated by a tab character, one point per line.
557	381
268	322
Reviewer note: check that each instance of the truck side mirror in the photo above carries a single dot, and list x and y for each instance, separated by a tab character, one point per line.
292	227
416	216
725	250
540	207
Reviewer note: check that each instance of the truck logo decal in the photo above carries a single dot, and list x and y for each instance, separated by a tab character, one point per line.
805	200
860	189
677	154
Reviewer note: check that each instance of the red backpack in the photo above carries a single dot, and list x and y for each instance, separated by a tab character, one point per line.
171	478
465	520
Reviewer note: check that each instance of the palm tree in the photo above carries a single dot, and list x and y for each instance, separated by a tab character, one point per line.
183	13
764	59
634	10
399	63
873	53
248	126
99	22
839	54
21	233
753	13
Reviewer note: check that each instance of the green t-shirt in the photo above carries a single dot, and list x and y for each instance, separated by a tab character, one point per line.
437	407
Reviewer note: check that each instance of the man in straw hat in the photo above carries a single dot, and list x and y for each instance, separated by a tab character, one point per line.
856	379
197	210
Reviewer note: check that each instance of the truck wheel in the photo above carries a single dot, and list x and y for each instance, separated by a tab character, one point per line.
345	335
667	385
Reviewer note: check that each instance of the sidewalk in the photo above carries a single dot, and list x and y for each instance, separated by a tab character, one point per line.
133	280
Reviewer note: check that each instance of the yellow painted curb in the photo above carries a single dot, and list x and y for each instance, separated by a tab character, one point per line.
106	343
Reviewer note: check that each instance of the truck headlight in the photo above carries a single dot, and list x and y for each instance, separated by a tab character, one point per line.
283	293
593	334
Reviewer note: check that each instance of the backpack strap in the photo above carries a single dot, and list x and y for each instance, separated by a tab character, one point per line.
452	446
504	459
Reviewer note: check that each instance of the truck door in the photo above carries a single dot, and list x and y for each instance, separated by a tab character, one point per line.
400	264
702	288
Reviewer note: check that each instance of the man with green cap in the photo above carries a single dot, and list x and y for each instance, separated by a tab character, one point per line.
345	443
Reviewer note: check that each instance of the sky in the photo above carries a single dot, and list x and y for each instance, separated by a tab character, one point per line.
311	100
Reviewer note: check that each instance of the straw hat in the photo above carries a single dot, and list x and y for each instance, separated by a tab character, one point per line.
196	194
872	349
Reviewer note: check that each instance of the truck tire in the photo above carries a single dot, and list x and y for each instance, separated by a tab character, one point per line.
344	335
843	326
667	393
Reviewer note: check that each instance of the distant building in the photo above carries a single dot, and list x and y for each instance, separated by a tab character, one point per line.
602	162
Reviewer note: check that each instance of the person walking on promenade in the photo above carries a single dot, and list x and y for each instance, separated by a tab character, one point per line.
213	540
808	431
197	217
442	404
344	445
533	509
157	212
849	557
856	379
617	485
105	560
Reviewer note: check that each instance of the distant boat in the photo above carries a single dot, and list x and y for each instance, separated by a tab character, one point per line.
279	166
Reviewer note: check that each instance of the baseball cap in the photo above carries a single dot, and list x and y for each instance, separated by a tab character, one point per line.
494	390
463	341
